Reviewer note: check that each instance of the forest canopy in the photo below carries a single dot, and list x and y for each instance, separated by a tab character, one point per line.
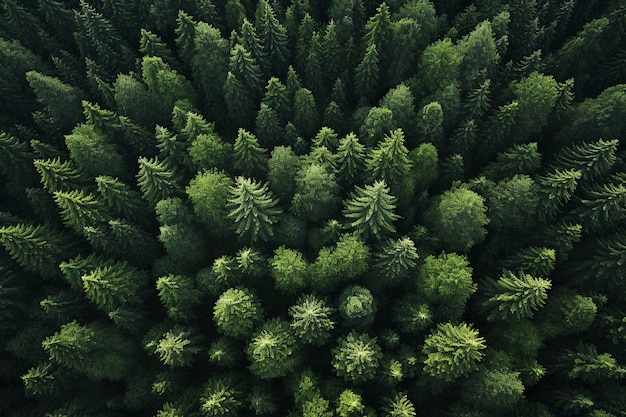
333	208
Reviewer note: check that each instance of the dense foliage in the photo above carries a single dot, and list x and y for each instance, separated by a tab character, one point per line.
312	208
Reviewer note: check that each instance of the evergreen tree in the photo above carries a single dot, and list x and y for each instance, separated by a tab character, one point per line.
80	209
277	97
208	61
593	159
317	194
514	295
350	159
59	176
305	115
273	38
113	286
357	306
370	210
250	158
411	315
176	347
396	260
267	126
93	154
236	312
399	406
55	95
534	260
253	209
271	350
151	44
311	320
220	397
603	207
452	351
356	357
121	198
367	75
156	181
37	248
343	263
389	162
289	270
283	166
178	295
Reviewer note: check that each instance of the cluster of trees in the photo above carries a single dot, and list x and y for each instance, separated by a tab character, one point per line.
312	208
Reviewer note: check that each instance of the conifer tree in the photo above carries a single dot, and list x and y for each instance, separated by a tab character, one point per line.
176	347
185	35
399	406
349	404
521	159
350	159
282	168
113	286
356	357
236	312
345	262
37	248
593	159
357	306
289	270
603	207
151	44
370	210
367	74
534	260
253	209
156	180
224	352
59	176
411	315
514	295
311	320
453	351
277	97
305	114
317	193
80	209
209	64
55	95
220	397
250	158
178	295
267	126
121	198
389	162
396	260
91	152
273	38
271	350
250	40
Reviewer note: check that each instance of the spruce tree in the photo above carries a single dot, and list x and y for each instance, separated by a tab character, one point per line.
389	161
60	176
121	198
236	312
396	260
350	159
367	74
178	295
514	295
453	351
311	320
267	126
357	306
370	210
80	209
289	270
356	357
253	209
220	397
250	158
156	180
273	38
271	350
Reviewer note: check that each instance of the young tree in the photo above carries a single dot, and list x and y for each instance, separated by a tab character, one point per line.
370	211
411	315
399	406
514	295
389	162
555	190
356	357
311	320
236	312
350	159
177	347
80	209
253	209
271	351
452	351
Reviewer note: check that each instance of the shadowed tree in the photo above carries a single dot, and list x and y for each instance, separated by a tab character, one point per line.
271	350
236	312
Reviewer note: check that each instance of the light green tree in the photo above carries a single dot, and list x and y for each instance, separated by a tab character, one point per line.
236	312
356	357
370	210
289	269
271	350
311	320
453	351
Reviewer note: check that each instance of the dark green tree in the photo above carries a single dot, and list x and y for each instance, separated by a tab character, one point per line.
221	397
80	209
317	194
396	260
367	75
250	157
350	159
273	38
357	306
178	295
283	166
120	197
305	114
156	180
268	126
399	405
345	262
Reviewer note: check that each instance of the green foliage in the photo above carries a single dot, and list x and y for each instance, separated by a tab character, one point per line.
282	168
176	348
370	210
447	281
317	193
349	404
399	406
345	262
367	73
156	180
220	397
271	350
80	209
356	357
514	295
453	351
236	312
498	389
311	320
208	192
350	159
92	154
253	209
289	270
411	315
396	260
459	218
357	306
178	295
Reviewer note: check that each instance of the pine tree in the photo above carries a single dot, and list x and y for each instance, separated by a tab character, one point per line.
37	248
80	209
356	357
289	270
271	350
593	159
521	159
253	209
60	176
370	210
93	154
478	101
452	351
236	312
350	159
333	54
251	263
178	295
367	74
55	95
311	320
250	40
305	114
555	190
603	207
586	364
534	260
250	158
156	180
389	161
273	38
399	406
411	315
220	397
113	286
349	404
267	126
317	193
313	69
121	198
605	268
151	44
345	262
306	29
514	295
177	347
277	97
209	64
396	260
